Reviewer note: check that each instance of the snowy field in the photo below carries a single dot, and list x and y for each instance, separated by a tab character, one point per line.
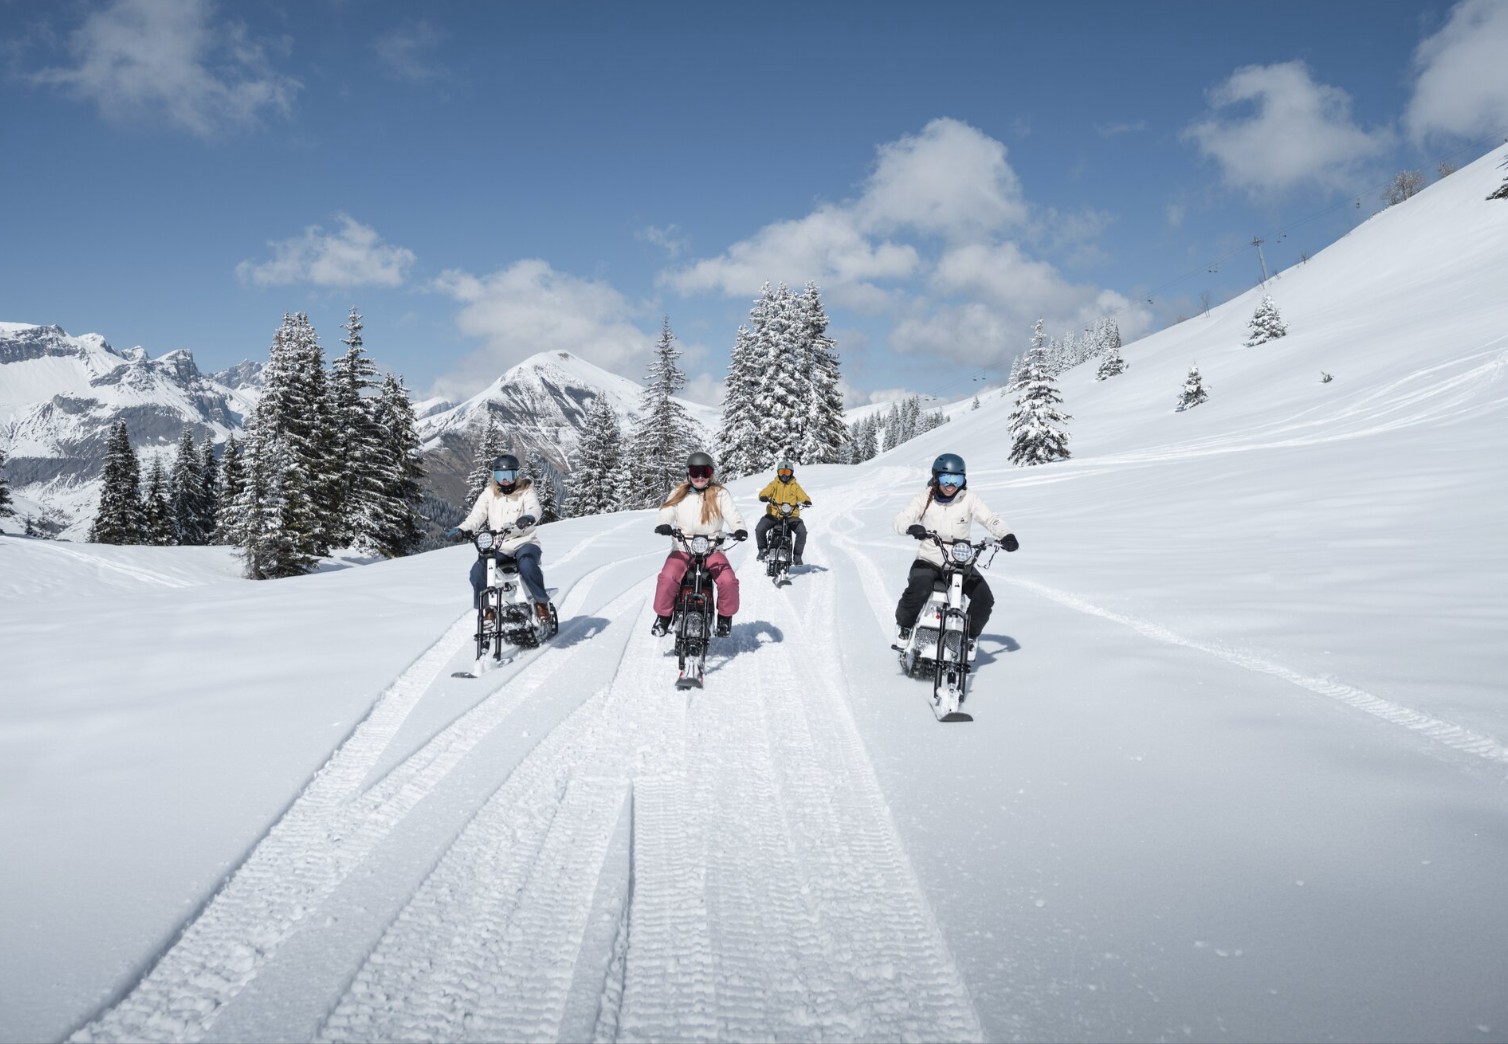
1238	769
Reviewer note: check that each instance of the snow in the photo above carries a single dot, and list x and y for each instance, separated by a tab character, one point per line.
1238	768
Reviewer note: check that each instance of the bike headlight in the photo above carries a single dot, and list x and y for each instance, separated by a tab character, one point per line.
785	509
699	545
963	553
484	541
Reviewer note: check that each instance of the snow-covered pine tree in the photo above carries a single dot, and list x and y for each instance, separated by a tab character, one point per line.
6	508
1193	391
740	444
1112	363
1039	431
785	387
547	485
119	518
209	482
288	455
396	527
662	438
186	494
487	443
975	404
232	485
825	436
355	485
1266	324
156	507
269	547
597	474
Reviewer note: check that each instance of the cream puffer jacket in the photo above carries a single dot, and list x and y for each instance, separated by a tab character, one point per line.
497	509
687	515
951	520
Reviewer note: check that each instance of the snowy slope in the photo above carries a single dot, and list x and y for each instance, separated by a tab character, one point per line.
1239	768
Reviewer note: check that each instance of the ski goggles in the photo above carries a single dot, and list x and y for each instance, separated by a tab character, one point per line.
699	471
950	478
505	476
785	473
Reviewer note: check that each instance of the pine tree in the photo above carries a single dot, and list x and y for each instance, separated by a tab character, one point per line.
355	486
396	526
546	486
1039	432
1266	324
1193	391
186	493
119	518
232	485
288	467
662	438
740	448
597	473
487	444
825	435
157	508
6	508
1112	363
784	389
209	481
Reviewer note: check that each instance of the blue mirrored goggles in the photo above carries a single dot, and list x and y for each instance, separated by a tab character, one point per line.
505	476
950	478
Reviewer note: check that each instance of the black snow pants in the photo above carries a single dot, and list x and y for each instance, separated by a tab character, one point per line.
919	586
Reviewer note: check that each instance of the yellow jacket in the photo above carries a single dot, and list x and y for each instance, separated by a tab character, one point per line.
779	492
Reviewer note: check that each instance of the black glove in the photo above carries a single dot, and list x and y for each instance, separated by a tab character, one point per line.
916	529
454	532
806	503
764	500
664	529
525	521
740	534
1009	542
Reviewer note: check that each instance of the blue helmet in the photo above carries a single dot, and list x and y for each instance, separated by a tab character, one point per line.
949	465
505	471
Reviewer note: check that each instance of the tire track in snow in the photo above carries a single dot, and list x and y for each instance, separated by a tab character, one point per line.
1441	731
328	830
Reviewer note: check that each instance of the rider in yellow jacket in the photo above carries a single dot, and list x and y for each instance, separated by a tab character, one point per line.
784	489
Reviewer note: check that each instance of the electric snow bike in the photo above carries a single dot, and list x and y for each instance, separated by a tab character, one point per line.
939	643
695	614
506	615
780	547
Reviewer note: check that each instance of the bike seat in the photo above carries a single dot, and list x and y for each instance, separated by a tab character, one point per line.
938	585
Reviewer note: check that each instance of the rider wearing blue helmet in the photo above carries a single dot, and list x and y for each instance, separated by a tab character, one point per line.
946	507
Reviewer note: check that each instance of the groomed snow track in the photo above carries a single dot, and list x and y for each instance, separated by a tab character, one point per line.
648	865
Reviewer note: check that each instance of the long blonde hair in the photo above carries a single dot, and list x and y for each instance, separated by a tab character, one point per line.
710	509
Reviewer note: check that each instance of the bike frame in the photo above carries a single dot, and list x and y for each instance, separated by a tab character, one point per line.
514	619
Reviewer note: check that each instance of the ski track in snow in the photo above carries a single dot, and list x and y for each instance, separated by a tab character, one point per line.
763	892
1455	736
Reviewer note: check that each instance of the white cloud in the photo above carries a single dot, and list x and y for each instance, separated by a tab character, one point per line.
1461	87
528	308
352	256
141	59
669	239
411	52
826	246
951	180
1288	130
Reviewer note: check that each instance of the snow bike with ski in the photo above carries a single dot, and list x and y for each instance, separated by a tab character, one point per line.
939	644
505	616
780	547
695	614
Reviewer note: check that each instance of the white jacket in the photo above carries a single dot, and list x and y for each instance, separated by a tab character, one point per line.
498	509
951	520
687	516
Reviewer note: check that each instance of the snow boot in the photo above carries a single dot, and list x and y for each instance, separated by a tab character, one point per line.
724	626
661	626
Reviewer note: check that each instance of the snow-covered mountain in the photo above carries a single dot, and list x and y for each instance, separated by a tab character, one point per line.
539	405
61	395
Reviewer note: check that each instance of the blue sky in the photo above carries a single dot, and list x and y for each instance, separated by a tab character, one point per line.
485	181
